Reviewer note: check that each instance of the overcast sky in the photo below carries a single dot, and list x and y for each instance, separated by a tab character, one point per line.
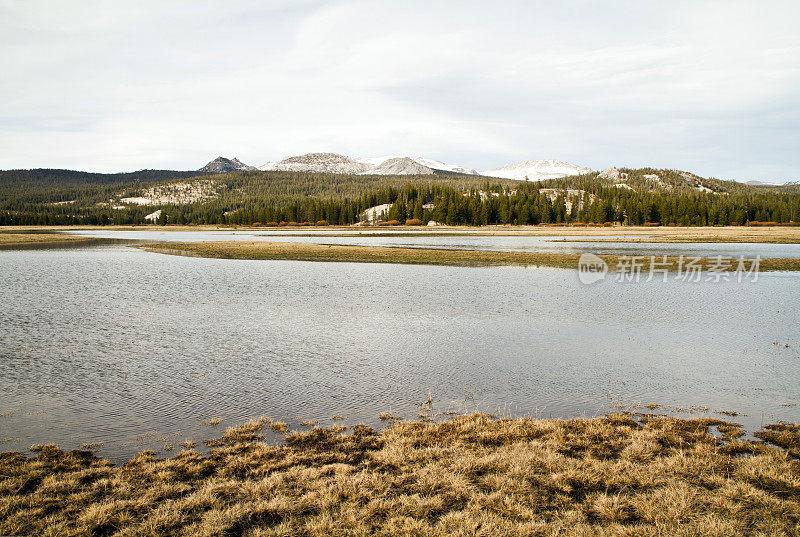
705	86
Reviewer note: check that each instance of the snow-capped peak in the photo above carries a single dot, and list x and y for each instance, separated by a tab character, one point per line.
319	163
385	165
414	165
533	170
439	165
536	170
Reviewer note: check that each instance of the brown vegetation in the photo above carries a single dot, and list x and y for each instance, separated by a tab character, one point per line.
10	240
774	224
784	435
470	476
423	256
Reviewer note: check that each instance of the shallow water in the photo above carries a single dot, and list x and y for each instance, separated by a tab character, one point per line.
134	349
422	239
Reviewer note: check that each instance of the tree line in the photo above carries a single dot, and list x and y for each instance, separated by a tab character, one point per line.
244	198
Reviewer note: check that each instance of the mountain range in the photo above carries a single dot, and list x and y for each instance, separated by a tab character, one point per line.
531	170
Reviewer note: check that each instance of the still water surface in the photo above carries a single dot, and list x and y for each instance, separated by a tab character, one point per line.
134	349
422	239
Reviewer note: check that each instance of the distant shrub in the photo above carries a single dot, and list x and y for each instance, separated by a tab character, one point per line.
256	224
651	224
283	223
322	223
293	223
773	224
393	222
414	222
306	223
271	224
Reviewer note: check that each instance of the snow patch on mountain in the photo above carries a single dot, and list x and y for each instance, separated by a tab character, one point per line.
318	163
764	183
385	165
400	166
536	170
533	170
374	162
439	165
432	165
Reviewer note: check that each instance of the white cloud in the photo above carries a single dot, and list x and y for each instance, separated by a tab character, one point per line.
708	86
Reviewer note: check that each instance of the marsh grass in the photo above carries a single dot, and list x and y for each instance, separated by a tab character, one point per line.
472	475
33	239
784	435
420	256
279	426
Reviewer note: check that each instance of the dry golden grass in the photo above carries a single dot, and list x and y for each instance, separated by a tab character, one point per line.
279	426
24	240
470	476
416	256
784	435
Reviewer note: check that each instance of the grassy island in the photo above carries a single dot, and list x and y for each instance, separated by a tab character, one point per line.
26	239
416	256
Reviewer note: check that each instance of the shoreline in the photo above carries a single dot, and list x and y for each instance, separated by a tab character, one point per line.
31	240
730	234
613	474
292	251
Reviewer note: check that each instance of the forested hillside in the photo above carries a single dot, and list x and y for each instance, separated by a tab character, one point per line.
625	196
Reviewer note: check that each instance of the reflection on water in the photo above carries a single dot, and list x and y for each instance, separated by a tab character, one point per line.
129	348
